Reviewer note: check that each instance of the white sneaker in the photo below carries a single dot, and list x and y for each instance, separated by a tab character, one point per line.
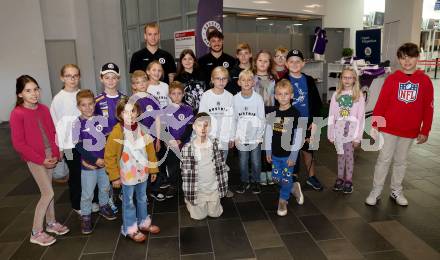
229	194
398	197
372	198
282	208
296	191
95	207
77	211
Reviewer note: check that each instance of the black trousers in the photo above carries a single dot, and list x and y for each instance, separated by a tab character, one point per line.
73	160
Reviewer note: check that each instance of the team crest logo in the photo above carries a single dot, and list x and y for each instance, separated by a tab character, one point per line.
149	108
225	64
162	61
408	92
207	28
181	117
99	128
111	66
218	103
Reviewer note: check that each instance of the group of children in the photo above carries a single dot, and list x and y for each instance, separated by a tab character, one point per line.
168	136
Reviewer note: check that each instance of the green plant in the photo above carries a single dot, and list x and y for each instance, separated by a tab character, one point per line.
347	52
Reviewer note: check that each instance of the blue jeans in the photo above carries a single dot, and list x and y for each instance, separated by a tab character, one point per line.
89	179
255	156
283	175
133	216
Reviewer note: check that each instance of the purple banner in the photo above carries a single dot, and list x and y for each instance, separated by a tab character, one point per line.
209	17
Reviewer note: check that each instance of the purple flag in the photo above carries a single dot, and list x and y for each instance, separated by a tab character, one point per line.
209	17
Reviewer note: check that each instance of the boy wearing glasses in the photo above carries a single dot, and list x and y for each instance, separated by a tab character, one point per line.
280	62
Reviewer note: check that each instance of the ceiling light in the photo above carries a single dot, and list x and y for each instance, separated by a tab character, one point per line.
297	24
225	15
261	2
312	6
262	18
307	11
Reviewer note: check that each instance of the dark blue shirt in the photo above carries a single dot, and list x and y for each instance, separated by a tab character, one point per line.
300	95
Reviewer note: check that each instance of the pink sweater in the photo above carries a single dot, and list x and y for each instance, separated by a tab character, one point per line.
354	114
26	135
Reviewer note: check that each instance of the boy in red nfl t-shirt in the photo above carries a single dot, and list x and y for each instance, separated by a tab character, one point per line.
406	103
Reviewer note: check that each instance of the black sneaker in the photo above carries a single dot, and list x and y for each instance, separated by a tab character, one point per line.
243	187
164	185
157	196
313	182
107	212
256	188
339	185
348	188
86	224
171	192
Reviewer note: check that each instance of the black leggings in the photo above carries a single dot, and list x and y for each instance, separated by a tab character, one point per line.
74	165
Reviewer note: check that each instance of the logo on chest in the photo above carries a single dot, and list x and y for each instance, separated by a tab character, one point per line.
408	92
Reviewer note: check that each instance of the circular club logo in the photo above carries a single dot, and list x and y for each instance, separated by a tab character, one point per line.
226	64
181	117
208	27
99	128
368	51
149	108
162	61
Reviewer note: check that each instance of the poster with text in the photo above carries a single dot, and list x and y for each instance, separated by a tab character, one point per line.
368	45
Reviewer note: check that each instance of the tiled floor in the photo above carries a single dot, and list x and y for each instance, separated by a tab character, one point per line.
329	225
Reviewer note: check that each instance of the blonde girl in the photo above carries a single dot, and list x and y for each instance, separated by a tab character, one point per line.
156	87
345	126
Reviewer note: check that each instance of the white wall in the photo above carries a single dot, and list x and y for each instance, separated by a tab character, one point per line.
284	6
107	38
69	19
344	14
22	50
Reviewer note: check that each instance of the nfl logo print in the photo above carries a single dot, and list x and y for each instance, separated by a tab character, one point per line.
408	92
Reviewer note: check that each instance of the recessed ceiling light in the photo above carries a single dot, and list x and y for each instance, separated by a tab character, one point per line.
297	24
261	2
225	15
262	18
307	11
271	24
312	6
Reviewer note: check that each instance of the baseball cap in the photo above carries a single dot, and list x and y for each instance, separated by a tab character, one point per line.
295	52
110	67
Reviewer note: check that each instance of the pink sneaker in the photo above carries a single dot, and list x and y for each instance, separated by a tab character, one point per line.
57	228
42	239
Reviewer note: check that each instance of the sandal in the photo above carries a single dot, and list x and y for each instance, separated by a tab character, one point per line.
137	237
153	229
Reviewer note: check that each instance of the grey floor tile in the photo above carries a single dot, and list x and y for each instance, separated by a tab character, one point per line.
427	187
8	249
269	200
168	224
404	240
69	248
320	227
100	256
26	187
262	234
104	237
339	249
166	248
308	208
301	246
286	224
251	211
229	239
363	236
278	253
205	256
19	228
26	250
229	209
128	249
194	240
7	215
388	255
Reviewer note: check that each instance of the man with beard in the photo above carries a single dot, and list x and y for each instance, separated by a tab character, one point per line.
216	57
